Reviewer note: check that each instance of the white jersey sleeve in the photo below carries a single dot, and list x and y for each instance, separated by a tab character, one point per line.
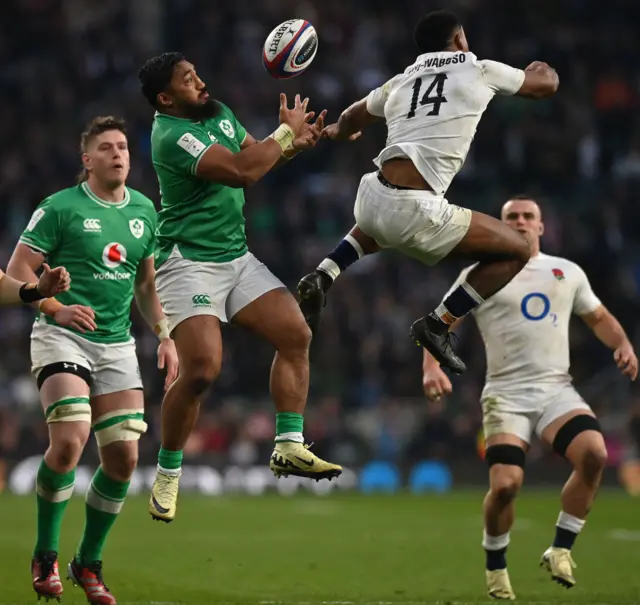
378	97
585	300
502	79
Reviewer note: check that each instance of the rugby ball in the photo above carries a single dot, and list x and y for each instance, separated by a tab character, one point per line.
290	48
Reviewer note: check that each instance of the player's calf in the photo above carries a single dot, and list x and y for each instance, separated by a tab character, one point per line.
506	472
501	253
579	439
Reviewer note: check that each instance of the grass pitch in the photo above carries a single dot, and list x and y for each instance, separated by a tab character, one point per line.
336	550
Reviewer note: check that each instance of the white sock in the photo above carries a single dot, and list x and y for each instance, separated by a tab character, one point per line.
495	542
172	472
570	523
295	437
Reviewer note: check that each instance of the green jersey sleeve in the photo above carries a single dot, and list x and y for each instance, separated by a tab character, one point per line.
151	246
241	131
183	146
44	231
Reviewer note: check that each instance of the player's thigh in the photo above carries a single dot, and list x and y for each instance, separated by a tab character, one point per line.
262	303
61	367
118	425
488	239
570	427
198	342
189	289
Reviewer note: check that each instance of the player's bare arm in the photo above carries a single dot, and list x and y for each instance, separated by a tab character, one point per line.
23	265
609	331
244	168
350	123
151	309
540	81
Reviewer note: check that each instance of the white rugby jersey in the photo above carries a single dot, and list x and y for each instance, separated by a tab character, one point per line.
525	326
432	110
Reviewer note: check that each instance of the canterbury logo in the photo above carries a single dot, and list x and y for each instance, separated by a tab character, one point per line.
201	300
92	224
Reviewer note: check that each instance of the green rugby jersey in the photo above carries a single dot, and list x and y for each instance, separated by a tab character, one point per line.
101	244
205	220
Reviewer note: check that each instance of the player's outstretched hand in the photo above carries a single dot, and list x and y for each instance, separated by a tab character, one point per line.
168	359
78	317
626	359
294	118
310	132
436	384
53	281
332	131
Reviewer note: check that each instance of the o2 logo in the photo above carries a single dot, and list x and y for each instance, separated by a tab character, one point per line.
531	310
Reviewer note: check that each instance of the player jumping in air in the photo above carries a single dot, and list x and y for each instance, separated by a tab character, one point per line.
82	352
432	111
525	328
204	158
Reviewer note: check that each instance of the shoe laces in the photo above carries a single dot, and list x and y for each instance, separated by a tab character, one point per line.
95	567
47	563
168	486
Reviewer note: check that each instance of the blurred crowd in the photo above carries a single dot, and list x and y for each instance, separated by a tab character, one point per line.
578	154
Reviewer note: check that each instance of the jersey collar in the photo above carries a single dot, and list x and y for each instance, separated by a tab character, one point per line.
90	194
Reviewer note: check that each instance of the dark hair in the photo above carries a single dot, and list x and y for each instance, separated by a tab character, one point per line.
155	75
95	128
435	31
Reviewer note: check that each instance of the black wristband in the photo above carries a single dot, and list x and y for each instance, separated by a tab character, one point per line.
29	293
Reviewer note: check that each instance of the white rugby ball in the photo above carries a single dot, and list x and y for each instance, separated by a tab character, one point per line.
290	48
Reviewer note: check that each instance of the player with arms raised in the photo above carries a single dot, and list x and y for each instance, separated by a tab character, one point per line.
525	328
82	352
432	111
204	157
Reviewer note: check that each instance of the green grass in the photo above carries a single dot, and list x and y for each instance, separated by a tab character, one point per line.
351	548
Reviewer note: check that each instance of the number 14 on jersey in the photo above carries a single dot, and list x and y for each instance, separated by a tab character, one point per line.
437	100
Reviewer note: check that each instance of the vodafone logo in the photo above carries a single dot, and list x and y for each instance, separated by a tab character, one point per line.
114	254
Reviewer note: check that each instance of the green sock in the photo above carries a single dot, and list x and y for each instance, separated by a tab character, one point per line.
169	460
289	427
105	498
53	493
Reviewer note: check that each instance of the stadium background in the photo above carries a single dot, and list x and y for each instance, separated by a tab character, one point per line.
62	62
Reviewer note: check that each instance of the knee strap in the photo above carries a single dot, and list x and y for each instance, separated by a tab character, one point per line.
121	425
571	429
505	454
69	409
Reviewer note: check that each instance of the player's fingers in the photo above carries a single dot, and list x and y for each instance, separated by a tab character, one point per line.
283	101
309	116
297	103
616	355
87	320
319	125
355	136
76	326
305	103
161	360
88	311
46	268
85	323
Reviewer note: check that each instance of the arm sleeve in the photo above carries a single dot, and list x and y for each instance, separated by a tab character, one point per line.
585	300
183	147
43	233
500	78
378	97
241	131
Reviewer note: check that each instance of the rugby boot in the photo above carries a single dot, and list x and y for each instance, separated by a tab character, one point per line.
46	576
499	585
560	564
164	497
435	336
312	297
296	459
88	576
